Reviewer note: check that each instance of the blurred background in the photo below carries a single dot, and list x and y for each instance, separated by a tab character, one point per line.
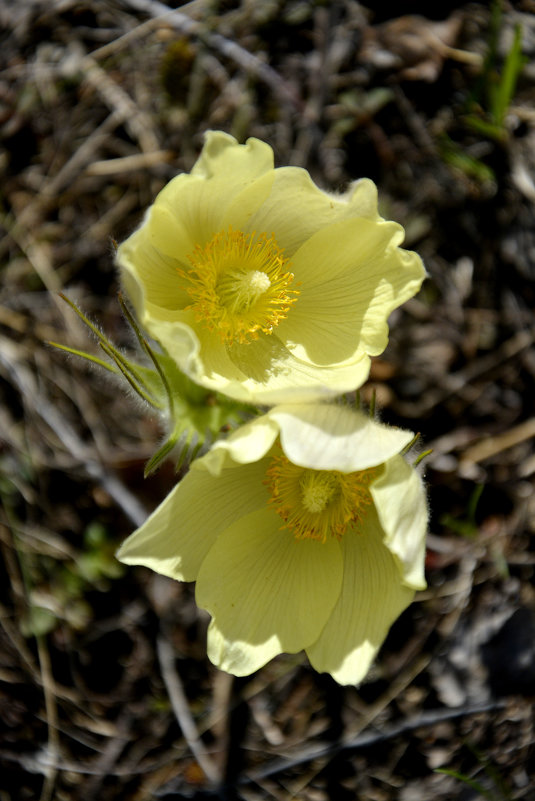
105	688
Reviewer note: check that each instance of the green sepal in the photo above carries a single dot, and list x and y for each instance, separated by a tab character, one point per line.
421	457
195	416
138	376
134	373
84	355
161	454
199	415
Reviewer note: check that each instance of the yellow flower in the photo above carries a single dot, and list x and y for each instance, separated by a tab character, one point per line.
260	285
305	529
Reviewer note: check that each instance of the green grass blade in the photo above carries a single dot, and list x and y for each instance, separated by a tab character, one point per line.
512	68
475	785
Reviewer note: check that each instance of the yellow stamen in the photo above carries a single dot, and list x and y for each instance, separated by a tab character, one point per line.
239	285
316	503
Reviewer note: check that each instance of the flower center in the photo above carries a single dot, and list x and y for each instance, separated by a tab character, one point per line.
239	284
316	503
318	487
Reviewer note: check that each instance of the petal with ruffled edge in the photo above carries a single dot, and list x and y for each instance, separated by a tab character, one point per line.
372	597
196	204
400	501
200	355
177	536
334	437
267	592
214	366
294	208
352	276
263	372
276	375
188	211
223	159
321	436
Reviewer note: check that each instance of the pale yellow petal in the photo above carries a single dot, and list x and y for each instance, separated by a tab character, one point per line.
267	592
356	246
352	276
149	276
177	536
174	231
197	203
175	332
275	375
249	443
334	437
303	382
214	368
222	156
400	501
262	372
199	353
404	275
372	597
296	208
190	209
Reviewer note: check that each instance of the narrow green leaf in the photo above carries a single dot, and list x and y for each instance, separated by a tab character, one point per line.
153	356
131	371
186	453
162	453
475	785
84	319
490	130
87	356
473	502
512	68
411	444
421	457
470	166
130	377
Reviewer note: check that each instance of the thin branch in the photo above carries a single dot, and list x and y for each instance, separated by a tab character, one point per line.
182	712
51	718
249	62
423	720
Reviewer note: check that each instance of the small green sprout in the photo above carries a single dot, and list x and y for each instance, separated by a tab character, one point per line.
496	87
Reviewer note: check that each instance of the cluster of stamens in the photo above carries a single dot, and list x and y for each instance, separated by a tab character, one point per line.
317	503
240	285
